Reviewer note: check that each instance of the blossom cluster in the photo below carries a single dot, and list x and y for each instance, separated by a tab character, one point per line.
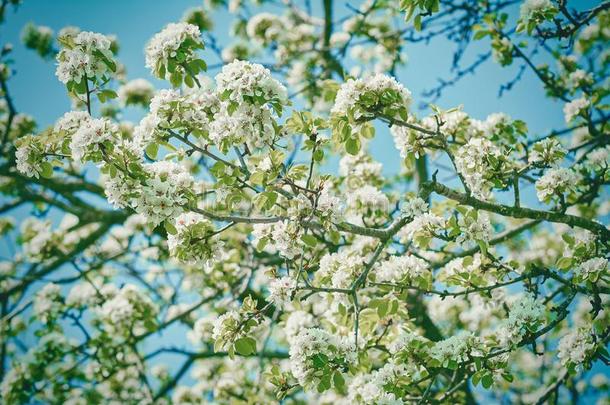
478	162
575	347
525	315
171	52
283	237
314	353
87	56
556	182
403	269
136	92
370	388
165	192
534	12
194	240
360	96
249	95
128	313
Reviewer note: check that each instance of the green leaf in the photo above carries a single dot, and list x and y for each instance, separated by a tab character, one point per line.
109	94
277	157
271	198
483	246
324	383
260	201
417	22
480	34
382	308
564	263
170	228
319	360
261	244
188	80
152	150
309	240
352	146
175	79
201	65
257	178
46	170
487	381
318	155
338	381
476	378
245	346
368	131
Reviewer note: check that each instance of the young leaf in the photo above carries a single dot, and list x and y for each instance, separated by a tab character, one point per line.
245	346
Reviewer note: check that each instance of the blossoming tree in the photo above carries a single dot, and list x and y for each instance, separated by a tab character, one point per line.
291	282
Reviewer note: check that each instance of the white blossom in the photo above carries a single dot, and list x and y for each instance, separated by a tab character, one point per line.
82	294
162	50
530	7
548	151
90	137
28	158
414	207
370	389
249	82
248	123
202	329
351	91
71	122
526	312
475	228
280	291
456	348
398	269
248	95
329	203
409	141
554	181
296	322
340	269
315	341
48	302
426	224
194	240
283	237
129	311
578	78
83	60
574	108
225	326
575	347
263	28
165	192
476	161
339	39
137	91
359	168
368	198
592	269
36	238
403	341
598	159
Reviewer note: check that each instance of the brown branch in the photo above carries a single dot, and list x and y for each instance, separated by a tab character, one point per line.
521	212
